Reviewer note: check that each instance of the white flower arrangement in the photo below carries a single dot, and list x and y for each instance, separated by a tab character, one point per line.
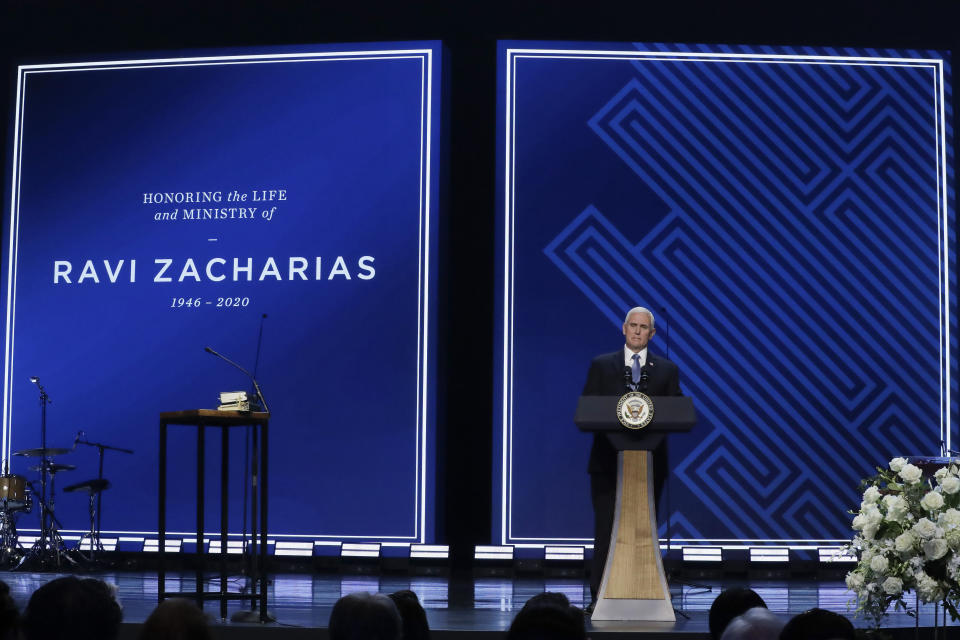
908	539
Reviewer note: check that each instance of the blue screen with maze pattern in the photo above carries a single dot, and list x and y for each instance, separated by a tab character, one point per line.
788	215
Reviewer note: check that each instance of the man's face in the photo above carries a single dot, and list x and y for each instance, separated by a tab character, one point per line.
638	331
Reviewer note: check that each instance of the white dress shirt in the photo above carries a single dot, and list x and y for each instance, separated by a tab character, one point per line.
628	356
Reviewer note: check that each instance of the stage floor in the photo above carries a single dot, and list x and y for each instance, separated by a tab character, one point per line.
458	606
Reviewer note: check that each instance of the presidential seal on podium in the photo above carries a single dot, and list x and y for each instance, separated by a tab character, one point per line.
635	410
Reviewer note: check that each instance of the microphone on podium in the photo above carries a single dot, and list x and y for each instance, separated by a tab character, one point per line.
263	401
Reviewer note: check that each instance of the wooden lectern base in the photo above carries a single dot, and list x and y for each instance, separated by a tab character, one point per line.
634	586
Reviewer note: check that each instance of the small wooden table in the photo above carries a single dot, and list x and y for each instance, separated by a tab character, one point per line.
225	420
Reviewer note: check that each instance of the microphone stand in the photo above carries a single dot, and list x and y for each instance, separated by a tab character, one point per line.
247	567
44	527
49	546
672	576
251	615
246	462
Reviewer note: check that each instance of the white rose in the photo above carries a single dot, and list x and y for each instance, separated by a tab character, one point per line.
910	473
891	500
879	564
932	501
854	581
950	485
897	508
872	514
893	586
924	529
904	542
953	538
935	549
953	567
896	464
939	473
859	521
928	589
870	531
949	519
872	494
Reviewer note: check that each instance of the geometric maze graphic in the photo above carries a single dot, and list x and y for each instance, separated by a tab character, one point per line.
799	262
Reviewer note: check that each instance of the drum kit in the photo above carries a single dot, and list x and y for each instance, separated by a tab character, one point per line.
18	496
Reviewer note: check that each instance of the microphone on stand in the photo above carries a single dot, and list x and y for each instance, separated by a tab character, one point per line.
642	386
628	378
256	386
43	393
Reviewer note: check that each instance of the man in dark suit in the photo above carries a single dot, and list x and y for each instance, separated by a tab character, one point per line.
654	376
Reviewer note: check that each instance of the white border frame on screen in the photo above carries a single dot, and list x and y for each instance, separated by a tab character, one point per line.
512	56
423	285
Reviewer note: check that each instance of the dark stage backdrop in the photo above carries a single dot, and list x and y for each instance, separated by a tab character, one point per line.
787	213
164	203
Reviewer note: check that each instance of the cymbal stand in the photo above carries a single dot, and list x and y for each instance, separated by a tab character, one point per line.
49	548
93	534
95	544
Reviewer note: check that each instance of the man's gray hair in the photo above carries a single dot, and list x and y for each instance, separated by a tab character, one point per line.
757	623
653	321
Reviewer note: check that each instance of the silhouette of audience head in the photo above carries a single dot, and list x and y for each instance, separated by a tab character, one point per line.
818	624
548	616
9	616
365	616
755	624
730	604
176	619
415	626
72	609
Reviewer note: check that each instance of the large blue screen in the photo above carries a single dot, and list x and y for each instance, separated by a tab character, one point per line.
161	204
787	213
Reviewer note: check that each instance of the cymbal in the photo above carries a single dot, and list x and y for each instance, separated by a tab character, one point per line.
53	467
37	453
91	486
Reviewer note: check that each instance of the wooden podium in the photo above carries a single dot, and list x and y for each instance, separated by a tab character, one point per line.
634	586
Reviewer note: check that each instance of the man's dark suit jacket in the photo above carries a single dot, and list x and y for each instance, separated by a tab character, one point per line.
606	378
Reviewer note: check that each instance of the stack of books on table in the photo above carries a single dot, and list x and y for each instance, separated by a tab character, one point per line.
234	401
